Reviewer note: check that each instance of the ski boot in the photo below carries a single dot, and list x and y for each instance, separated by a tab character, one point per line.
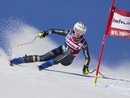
46	65
17	61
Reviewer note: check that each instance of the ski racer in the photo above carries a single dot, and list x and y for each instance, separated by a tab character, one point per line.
64	54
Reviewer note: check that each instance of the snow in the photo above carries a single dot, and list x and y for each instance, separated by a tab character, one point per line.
25	81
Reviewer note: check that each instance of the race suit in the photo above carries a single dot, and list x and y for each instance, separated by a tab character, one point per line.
65	53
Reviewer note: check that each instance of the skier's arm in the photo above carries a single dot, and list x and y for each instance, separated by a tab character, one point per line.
86	54
59	31
53	31
87	58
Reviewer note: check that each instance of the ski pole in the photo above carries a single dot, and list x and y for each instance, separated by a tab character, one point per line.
92	71
98	72
28	42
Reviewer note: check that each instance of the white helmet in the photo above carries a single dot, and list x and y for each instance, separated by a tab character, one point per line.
81	27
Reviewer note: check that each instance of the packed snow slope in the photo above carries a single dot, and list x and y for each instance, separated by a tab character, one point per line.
25	81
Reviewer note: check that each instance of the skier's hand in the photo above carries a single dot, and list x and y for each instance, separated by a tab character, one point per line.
43	34
85	70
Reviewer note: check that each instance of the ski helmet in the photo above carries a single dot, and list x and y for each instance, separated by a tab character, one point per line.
80	28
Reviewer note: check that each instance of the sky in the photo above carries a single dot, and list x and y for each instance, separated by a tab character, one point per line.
63	14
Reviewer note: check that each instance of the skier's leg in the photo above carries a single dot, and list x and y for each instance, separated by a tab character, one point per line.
65	59
50	55
36	58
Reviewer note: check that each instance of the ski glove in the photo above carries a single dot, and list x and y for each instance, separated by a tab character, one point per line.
43	34
85	70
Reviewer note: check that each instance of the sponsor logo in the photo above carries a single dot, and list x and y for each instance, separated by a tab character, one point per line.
119	21
120	33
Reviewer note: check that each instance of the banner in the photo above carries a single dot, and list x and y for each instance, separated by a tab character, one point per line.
119	23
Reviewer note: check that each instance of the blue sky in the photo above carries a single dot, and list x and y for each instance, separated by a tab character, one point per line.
46	14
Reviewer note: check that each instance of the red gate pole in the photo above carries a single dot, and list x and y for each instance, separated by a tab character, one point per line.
103	42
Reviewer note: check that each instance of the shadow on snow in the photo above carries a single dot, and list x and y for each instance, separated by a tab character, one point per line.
89	76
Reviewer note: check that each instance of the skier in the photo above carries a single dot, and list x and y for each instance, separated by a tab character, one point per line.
65	53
